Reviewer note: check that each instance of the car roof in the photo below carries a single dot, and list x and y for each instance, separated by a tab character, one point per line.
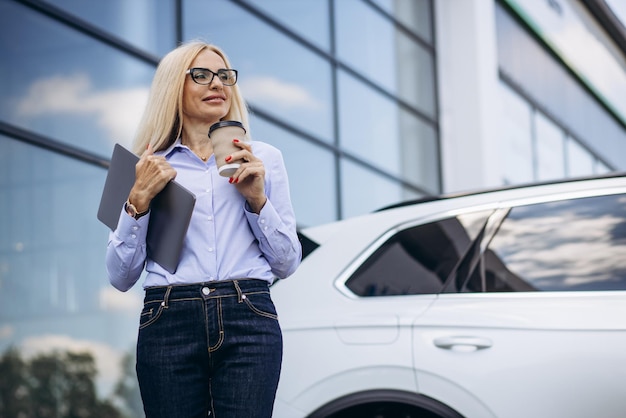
431	198
309	244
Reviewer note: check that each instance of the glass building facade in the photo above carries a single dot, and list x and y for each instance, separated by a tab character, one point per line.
347	89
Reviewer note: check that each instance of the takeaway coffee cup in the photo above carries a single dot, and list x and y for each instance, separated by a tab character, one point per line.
221	135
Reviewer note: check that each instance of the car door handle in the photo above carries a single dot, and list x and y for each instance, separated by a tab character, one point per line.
463	343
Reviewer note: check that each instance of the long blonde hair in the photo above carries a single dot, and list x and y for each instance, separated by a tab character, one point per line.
161	123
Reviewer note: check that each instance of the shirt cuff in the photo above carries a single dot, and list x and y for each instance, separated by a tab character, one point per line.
266	222
132	231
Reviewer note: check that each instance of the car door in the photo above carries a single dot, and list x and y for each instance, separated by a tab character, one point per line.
536	326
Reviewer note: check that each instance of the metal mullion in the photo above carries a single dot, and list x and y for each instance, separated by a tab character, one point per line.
89	29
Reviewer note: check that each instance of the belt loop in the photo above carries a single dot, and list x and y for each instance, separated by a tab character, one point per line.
240	295
166	297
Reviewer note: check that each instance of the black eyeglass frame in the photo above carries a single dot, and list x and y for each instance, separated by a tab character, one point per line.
191	72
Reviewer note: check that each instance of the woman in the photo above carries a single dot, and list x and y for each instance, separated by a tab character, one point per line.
209	341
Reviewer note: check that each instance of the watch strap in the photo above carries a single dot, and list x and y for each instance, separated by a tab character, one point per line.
132	210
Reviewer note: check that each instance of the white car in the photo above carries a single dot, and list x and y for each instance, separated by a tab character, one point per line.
507	304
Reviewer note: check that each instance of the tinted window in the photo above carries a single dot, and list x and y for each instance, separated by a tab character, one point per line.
417	260
572	245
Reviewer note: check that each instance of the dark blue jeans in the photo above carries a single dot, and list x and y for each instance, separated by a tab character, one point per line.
212	349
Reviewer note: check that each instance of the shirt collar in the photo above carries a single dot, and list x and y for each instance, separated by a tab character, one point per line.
169	150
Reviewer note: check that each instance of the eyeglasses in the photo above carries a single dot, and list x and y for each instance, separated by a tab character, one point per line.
204	76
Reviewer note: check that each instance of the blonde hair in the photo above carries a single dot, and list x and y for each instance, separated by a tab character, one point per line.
161	123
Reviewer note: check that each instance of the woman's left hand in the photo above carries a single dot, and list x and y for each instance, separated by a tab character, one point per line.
249	179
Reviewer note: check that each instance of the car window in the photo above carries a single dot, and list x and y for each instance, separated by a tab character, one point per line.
417	260
572	245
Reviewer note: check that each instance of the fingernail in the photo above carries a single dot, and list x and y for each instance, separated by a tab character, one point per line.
235	140
230	180
227	159
237	180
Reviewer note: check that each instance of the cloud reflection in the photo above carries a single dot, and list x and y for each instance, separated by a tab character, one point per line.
562	246
280	93
112	299
116	111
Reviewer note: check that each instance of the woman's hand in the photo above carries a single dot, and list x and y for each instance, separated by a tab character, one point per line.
152	173
249	179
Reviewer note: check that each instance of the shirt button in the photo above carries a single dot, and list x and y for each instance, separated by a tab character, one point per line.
133	236
262	221
210	218
135	228
206	291
207	190
210	249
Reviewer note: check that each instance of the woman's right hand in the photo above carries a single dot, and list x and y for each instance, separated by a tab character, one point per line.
152	173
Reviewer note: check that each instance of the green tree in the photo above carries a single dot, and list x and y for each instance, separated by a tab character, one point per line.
127	389
14	388
52	385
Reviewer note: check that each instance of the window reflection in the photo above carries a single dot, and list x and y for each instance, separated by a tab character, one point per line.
307	18
417	260
415	14
375	129
534	248
275	73
370	43
364	191
55	295
74	90
550	149
154	31
579	161
548	82
515	137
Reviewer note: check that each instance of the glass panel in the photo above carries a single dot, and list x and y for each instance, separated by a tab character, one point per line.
276	74
534	251
415	14
363	191
147	24
550	140
601	168
311	173
66	86
515	138
371	45
417	260
549	83
579	161
55	297
375	129
308	18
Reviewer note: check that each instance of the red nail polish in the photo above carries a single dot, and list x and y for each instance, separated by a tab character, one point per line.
235	140
236	180
230	180
227	159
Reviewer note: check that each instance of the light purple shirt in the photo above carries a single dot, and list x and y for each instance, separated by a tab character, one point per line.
224	240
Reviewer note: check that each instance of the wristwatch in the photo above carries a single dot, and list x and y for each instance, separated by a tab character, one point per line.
132	210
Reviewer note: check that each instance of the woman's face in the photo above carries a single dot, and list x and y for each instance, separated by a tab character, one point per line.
206	104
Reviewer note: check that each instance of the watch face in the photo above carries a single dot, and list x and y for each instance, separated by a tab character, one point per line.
131	209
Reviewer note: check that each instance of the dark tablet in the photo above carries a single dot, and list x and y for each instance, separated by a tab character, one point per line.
170	210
